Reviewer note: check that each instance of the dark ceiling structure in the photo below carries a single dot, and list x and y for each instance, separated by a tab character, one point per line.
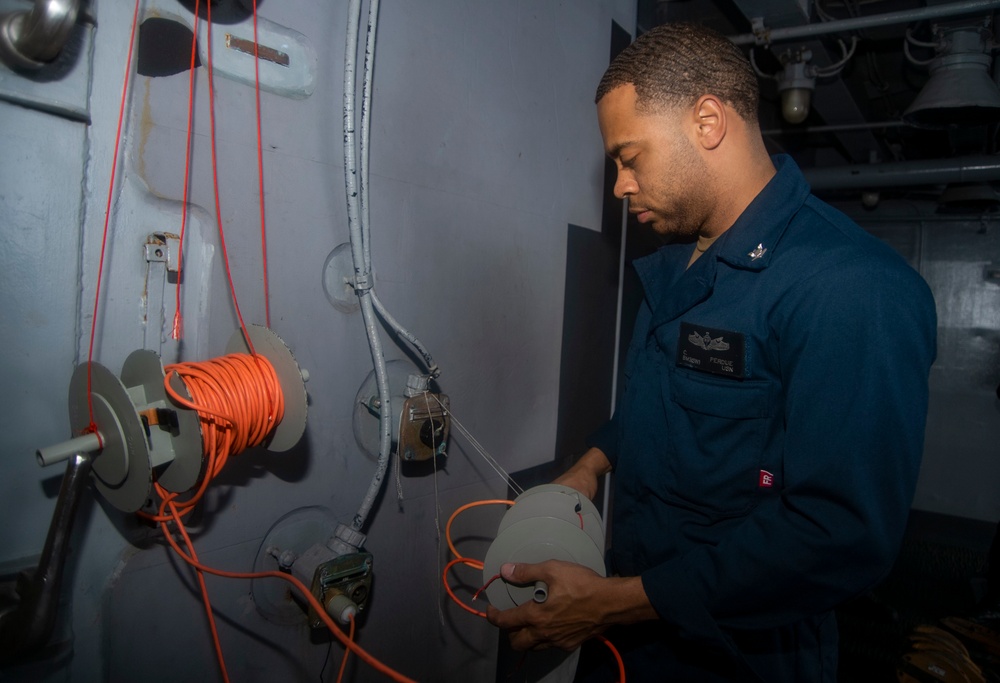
871	96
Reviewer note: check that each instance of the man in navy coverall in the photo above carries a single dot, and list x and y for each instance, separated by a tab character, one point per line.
766	448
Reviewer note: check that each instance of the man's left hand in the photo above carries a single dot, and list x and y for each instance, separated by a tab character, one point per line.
573	611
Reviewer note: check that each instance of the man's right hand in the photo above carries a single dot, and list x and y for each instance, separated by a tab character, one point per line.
586	473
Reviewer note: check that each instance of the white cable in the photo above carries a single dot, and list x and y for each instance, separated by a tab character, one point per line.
437	513
834	69
432	368
490	460
753	63
910	40
362	271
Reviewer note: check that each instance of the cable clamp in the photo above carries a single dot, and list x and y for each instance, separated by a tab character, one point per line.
345	540
362	283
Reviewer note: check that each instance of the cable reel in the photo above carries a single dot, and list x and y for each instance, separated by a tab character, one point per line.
144	436
548	522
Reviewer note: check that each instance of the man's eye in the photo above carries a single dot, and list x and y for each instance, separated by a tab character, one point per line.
628	163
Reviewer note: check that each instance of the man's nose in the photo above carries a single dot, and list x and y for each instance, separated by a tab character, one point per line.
625	185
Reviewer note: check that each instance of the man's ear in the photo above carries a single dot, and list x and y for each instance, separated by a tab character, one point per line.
710	121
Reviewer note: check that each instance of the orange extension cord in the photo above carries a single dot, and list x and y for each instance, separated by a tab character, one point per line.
477	564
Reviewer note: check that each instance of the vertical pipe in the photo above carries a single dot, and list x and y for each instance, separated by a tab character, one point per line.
30	624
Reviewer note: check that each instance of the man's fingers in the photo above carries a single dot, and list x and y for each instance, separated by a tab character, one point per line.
508	619
523	573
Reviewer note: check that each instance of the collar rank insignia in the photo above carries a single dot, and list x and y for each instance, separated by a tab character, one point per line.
759	251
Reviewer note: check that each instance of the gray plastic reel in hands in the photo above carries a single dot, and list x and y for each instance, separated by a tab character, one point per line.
548	522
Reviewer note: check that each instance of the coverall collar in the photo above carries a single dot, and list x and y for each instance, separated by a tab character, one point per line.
748	245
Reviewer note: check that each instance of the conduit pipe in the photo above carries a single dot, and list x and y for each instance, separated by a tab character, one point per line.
359	251
905	173
764	36
836	128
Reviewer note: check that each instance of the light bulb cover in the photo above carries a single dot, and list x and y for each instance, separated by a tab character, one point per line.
795	104
795	84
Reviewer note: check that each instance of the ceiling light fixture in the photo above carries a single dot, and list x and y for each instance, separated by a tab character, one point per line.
796	83
960	91
797	78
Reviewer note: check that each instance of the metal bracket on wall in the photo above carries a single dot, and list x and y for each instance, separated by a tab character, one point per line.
163	247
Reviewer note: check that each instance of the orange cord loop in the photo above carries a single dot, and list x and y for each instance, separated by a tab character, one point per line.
476	564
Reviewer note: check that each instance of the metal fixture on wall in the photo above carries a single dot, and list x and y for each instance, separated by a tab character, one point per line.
796	83
419	417
30	40
960	90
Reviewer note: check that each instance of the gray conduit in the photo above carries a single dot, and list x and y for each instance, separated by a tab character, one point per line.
362	263
765	36
905	173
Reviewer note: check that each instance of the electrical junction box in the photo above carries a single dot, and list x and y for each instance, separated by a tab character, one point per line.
421	423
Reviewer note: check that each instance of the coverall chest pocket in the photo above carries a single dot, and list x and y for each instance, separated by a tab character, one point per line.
718	431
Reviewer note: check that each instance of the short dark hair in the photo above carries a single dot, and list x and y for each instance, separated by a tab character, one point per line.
676	63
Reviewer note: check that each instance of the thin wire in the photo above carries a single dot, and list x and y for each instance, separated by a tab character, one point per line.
215	181
92	427
329	651
437	507
260	166
490	460
475	596
399	480
177	329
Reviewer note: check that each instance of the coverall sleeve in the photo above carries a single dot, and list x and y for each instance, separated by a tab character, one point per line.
855	343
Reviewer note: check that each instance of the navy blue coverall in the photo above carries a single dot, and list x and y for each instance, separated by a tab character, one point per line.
767	445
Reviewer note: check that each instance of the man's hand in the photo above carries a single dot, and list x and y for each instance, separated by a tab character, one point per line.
580	604
571	613
584	475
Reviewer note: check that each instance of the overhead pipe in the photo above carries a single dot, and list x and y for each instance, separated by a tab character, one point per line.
763	35
836	128
30	40
975	169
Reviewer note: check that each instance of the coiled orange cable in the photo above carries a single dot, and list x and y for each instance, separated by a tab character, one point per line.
239	402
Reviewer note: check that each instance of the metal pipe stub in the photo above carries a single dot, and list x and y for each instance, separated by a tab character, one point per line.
122	471
142	434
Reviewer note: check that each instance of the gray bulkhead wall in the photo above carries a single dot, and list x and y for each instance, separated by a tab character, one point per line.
484	149
959	256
